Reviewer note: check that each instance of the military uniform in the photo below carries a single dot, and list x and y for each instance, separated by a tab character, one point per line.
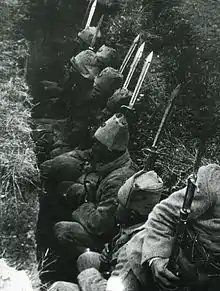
132	270
82	110
105	85
96	215
157	237
67	167
91	266
90	200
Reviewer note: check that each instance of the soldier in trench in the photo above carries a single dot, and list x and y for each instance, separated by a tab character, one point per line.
91	209
80	109
142	262
135	200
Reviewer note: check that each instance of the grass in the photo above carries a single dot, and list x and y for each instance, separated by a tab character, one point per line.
18	165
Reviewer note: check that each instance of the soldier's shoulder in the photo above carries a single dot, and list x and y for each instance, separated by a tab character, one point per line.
125	171
208	170
208	178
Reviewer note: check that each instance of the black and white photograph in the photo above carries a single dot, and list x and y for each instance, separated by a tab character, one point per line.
110	145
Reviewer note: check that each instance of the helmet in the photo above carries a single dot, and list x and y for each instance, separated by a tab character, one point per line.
114	133
141	192
106	83
120	97
86	64
106	55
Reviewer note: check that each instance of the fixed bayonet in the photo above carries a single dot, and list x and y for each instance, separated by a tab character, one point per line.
96	32
140	81
173	96
91	13
134	65
87	12
152	152
129	53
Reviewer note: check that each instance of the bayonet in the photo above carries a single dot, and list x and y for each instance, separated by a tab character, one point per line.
87	12
140	81
134	65
91	13
96	32
129	53
152	152
173	96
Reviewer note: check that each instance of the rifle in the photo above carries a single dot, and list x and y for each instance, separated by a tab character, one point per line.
185	212
149	162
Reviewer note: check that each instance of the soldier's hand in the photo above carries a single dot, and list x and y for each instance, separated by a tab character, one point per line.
105	255
187	270
162	276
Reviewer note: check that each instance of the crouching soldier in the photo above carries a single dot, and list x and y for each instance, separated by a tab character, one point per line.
84	68
135	200
93	222
89	64
91	199
144	261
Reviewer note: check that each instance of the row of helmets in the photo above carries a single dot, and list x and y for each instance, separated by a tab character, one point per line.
96	66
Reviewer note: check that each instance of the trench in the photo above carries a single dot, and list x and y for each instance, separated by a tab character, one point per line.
52	31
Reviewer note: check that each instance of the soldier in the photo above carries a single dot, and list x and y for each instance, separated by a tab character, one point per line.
142	263
133	209
199	263
105	84
81	73
94	219
84	66
90	200
89	64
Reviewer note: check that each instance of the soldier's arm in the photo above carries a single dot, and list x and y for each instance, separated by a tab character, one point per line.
160	227
100	219
91	280
122	277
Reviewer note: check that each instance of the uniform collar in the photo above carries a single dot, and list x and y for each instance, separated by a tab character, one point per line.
118	163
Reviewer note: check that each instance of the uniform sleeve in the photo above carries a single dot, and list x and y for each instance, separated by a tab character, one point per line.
100	219
79	154
91	280
160	227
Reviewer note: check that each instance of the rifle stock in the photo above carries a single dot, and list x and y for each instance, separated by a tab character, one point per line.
182	224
